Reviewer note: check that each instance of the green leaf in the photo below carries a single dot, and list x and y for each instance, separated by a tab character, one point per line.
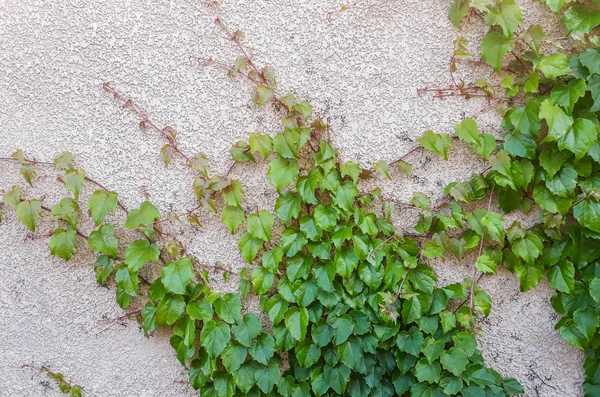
454	360
307	354
458	10
177	275
28	212
411	310
382	167
520	145
581	19
62	243
427	372
494	226
563	184
139	252
233	217
337	377
233	193
249	246
554	65
437	143
562	276
494	47
529	275
28	171
12	197
587	214
559	123
214	337
526	118
345	195
248	328
351	169
259	225
104	241
228	308
288	206
485	264
410	342
528	248
143	216
233	357
67	209
551	161
506	14
73	181
350	352
286	143
267	376
262	280
199	163
170	309
566	95
345	262
263	348
590	58
64	160
282	172
579	138
325	217
200	310
261	143
262	94
296	322
101	202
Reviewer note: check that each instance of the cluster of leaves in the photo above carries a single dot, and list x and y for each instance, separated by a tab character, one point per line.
67	388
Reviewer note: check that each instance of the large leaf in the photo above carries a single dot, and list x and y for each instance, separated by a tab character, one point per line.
101	202
139	252
214	337
177	275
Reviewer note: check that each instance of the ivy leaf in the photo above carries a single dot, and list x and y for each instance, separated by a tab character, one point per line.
506	14
551	161
104	241
494	47
350	352
296	322
562	276
73	180
282	172
139	252
233	193
454	360
228	308
427	372
266	377
529	275
485	264
528	248
263	348
143	216
199	310
337	377
262	280
101	202
214	337
325	217
590	58
247	329
437	143
580	19
28	171
566	95
233	217
259	225
559	123
233	357
554	65
288	206
28	212
262	94
64	160
526	118
563	184
12	197
166	154
200	163
62	243
67	209
345	195
382	167
351	169
458	10
587	214
410	342
249	246
261	143
177	275
307	354
494	224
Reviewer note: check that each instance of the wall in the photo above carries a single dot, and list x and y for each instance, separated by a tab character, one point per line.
363	70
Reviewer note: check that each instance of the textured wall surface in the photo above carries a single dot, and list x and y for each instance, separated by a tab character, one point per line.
363	70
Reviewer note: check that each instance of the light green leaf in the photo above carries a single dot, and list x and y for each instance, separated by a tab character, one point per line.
263	348
562	276
282	172
288	206
505	13
73	181
382	167
259	225
64	160
554	65
232	217
101	202
62	243
494	47
248	328
249	246
566	95
139	252
437	143
485	264
454	360
12	197
296	322
261	143
228	308
28	212
587	214
104	241
528	248
214	337
177	275
67	209
529	275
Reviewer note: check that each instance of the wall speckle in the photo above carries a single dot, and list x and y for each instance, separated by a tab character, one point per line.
363	70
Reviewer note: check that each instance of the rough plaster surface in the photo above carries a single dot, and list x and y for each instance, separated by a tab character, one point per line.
362	70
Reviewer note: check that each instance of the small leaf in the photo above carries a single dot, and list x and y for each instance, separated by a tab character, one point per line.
73	180
233	217
261	143
494	47
104	241
200	163
64	160
62	243
28	212
12	197
259	225
139	252
486	264
100	203
28	171
382	167
177	275
282	172
437	143
214	337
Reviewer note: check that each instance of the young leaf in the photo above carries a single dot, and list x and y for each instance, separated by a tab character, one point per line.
12	197
382	167
67	209
177	275
261	143
259	225
62	243
101	202
139	252
73	180
437	143
494	47
28	212
282	172
104	241
64	160
232	217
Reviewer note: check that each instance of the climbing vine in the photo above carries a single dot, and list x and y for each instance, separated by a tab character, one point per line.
351	305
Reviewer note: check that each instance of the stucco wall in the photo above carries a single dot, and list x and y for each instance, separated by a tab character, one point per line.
362	70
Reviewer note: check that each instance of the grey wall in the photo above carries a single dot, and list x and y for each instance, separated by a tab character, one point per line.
362	70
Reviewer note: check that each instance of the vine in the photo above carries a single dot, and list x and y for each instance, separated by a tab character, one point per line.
353	305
